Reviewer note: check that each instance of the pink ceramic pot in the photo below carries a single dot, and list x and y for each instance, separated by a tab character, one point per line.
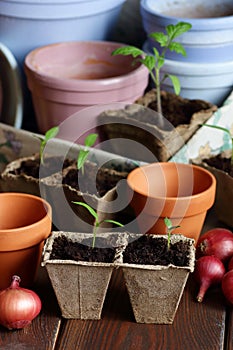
67	77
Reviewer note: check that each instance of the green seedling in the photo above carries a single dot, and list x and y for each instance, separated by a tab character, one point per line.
50	134
227	131
170	228
83	153
97	222
155	62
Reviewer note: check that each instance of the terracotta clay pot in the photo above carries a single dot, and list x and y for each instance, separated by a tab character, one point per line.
25	222
181	192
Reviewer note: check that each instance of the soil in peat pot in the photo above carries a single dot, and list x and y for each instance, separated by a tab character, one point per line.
175	109
105	179
66	249
34	168
149	251
145	250
220	163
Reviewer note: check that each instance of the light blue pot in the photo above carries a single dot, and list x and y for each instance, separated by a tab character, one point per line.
211	36
27	24
212	82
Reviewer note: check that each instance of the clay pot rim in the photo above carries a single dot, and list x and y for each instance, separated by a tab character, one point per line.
82	84
47	206
201	23
173	200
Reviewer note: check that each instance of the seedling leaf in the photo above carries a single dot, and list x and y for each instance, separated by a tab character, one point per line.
155	62
90	209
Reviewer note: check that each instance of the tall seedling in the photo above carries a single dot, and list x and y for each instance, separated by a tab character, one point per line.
155	62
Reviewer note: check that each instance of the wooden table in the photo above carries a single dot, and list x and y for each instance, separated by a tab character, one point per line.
206	326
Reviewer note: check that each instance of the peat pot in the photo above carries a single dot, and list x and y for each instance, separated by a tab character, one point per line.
25	222
80	286
154	290
181	192
220	168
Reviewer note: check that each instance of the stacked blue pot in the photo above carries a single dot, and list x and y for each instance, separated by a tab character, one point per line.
207	70
28	24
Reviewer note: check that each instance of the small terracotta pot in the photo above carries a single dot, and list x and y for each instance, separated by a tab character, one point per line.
181	192
25	222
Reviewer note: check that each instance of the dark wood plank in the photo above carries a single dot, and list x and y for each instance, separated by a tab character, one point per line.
42	333
229	340
196	326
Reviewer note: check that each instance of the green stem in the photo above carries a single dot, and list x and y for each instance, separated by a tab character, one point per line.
94	236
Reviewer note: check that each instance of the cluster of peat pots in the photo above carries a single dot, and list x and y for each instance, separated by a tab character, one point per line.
177	193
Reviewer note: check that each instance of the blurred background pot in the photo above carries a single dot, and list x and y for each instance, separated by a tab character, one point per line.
67	77
54	21
210	38
181	192
25	222
28	24
211	82
207	71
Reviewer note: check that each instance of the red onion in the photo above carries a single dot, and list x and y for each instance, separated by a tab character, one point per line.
18	306
230	264
218	242
209	271
227	286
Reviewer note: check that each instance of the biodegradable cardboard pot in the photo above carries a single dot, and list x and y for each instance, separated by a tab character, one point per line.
97	186
80	286
18	177
139	123
155	291
182	192
224	189
25	222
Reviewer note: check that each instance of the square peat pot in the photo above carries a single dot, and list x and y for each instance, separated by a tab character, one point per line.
155	291
224	188
80	286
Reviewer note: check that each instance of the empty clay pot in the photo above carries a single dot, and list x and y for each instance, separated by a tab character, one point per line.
66	77
181	192
25	222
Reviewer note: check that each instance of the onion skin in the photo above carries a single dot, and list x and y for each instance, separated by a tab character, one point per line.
18	306
218	242
230	264
209	271
227	286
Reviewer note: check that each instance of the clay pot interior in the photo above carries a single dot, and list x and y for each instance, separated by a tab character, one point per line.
25	222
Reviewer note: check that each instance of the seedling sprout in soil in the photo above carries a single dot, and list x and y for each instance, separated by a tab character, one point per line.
97	223
50	134
170	228
155	62
83	153
227	131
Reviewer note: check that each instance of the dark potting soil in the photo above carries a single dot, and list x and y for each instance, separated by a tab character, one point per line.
93	180
145	250
149	251
65	249
178	111
220	163
33	167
